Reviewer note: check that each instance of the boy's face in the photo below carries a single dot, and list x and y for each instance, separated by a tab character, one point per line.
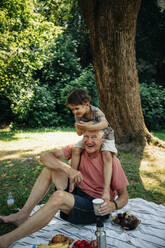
79	110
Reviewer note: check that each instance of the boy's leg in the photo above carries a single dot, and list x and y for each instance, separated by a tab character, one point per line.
60	200
76	152
107	159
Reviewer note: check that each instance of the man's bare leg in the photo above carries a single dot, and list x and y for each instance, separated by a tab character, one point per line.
40	188
60	200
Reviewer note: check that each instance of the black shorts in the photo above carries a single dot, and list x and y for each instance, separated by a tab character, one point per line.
83	212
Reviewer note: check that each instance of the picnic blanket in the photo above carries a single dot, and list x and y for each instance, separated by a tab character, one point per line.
149	234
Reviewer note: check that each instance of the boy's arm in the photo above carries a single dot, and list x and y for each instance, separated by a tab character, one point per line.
78	130
92	125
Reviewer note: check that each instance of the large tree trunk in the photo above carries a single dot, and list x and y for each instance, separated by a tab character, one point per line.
112	26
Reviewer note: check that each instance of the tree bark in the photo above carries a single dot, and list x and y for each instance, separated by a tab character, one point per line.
112	26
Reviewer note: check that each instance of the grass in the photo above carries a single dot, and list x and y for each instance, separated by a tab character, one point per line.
20	166
159	134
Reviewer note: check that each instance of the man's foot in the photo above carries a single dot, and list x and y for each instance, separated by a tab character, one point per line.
15	219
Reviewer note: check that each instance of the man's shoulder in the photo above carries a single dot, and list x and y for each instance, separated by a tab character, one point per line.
67	150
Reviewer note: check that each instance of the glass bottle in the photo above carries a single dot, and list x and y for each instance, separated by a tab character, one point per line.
10	200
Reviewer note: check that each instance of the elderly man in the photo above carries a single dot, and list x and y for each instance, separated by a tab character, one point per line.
75	205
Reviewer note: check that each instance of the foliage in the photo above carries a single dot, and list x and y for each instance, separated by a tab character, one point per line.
5	110
153	105
62	64
77	28
150	39
36	108
61	67
41	63
57	11
25	38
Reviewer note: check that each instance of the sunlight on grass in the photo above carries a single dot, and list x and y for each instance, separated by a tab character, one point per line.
152	171
23	144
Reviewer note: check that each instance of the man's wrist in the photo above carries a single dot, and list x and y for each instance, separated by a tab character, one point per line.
115	203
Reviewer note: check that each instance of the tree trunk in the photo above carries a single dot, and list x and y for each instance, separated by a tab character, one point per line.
112	26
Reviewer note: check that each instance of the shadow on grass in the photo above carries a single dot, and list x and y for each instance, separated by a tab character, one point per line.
7	136
21	153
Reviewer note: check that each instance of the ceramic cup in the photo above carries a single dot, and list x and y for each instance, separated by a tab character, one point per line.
97	204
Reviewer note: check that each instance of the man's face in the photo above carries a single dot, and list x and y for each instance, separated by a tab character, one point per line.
92	141
79	110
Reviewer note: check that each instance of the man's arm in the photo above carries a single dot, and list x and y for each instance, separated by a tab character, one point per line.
52	160
109	207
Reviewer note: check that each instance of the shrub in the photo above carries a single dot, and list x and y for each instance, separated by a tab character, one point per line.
153	105
36	108
5	110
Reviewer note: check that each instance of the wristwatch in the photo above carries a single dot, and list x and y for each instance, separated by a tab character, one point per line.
116	206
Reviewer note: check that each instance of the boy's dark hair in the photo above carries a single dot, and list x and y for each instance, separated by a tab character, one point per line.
78	97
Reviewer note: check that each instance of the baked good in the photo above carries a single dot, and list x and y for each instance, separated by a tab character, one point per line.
126	220
60	238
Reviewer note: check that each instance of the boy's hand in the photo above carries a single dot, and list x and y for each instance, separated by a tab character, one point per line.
78	130
83	125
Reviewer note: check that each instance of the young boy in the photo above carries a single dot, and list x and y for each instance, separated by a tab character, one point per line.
88	117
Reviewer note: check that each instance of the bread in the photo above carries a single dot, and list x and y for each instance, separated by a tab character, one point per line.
60	238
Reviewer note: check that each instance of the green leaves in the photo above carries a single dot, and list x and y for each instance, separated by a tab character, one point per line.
25	38
153	105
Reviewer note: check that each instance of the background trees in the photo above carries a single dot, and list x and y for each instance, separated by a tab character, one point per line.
45	53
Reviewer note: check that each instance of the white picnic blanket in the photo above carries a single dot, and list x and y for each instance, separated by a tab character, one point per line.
149	234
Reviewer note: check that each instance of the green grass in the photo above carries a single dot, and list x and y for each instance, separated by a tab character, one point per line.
159	134
19	166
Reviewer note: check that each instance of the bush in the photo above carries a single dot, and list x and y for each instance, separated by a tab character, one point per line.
153	105
5	110
37	110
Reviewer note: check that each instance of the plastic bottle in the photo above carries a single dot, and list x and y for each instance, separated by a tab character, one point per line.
100	234
10	200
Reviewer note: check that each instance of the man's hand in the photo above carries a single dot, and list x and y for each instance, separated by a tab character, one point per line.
106	208
75	177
